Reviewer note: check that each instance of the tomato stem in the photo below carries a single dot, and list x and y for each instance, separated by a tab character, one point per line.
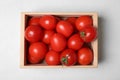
64	60
82	34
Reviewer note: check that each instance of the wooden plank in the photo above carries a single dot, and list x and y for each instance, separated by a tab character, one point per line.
95	43
22	47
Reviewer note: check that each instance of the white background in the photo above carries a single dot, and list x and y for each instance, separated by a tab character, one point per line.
109	39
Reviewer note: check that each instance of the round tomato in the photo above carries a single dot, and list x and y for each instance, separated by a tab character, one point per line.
83	21
75	42
64	28
48	22
33	60
88	34
71	20
47	36
34	21
68	57
58	42
85	56
52	58
38	51
33	33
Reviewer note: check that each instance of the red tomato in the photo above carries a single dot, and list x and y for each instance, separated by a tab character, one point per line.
68	57
71	20
58	42
47	36
52	58
38	51
64	28
75	42
83	21
33	60
34	21
85	56
88	34
48	22
33	33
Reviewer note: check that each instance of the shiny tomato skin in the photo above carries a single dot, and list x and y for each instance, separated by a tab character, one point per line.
75	42
47	36
58	42
52	58
83	21
64	28
33	34
85	56
68	57
48	22
88	34
34	21
38	50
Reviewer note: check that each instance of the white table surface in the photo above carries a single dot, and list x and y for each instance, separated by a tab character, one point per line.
109	39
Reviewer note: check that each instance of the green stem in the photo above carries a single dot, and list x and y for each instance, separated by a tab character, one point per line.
82	34
64	60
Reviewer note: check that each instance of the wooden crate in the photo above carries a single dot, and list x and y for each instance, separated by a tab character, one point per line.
25	16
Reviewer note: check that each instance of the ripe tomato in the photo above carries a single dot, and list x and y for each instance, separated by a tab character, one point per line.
48	22
33	60
71	20
52	58
88	34
75	42
33	33
58	42
64	28
38	50
47	36
85	56
34	21
83	21
68	57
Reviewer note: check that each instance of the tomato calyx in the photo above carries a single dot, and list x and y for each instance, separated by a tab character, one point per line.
82	34
64	60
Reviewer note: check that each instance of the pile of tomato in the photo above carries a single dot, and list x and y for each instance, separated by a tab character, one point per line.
60	40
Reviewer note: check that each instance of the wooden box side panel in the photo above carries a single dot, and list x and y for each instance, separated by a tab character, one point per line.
22	43
95	43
